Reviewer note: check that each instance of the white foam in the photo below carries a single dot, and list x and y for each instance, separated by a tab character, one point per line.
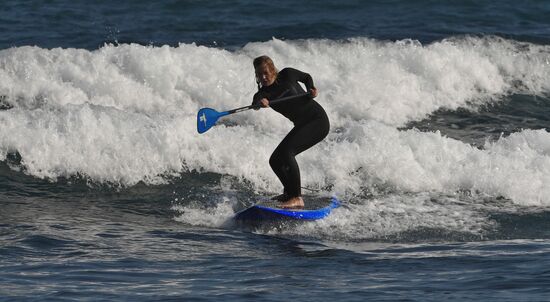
125	114
218	216
516	167
392	216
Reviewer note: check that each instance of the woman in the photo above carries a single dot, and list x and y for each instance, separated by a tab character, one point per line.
311	123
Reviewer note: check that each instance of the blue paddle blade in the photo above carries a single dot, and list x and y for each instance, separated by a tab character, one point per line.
206	118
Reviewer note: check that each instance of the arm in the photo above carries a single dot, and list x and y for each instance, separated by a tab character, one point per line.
304	78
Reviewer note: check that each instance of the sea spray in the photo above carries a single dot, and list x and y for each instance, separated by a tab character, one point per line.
124	114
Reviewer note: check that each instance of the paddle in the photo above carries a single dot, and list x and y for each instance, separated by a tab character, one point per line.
207	117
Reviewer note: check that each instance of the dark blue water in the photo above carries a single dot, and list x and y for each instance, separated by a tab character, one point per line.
81	24
447	202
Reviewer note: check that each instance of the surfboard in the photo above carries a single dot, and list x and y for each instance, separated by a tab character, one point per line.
268	211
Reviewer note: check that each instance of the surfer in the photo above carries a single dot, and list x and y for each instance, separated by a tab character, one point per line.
311	124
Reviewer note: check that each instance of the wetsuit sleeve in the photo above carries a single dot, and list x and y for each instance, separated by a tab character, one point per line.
257	97
300	76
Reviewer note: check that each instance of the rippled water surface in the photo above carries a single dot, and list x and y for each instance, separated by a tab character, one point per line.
438	149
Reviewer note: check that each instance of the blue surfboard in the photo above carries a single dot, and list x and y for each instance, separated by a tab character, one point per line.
268	211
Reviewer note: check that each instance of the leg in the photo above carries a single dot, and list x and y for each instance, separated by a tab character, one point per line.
283	161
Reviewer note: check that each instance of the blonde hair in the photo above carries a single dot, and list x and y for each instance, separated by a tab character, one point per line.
264	61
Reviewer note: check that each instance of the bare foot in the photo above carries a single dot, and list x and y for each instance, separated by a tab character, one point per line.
293	203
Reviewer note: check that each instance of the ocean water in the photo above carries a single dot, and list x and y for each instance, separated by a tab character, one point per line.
439	150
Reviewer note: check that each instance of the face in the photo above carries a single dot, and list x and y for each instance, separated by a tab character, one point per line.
265	75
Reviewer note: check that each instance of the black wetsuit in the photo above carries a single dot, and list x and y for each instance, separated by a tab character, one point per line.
311	125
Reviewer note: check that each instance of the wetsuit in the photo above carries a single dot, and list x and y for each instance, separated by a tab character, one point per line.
311	125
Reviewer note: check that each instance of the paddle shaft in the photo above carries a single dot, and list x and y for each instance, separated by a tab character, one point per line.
256	106
207	117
